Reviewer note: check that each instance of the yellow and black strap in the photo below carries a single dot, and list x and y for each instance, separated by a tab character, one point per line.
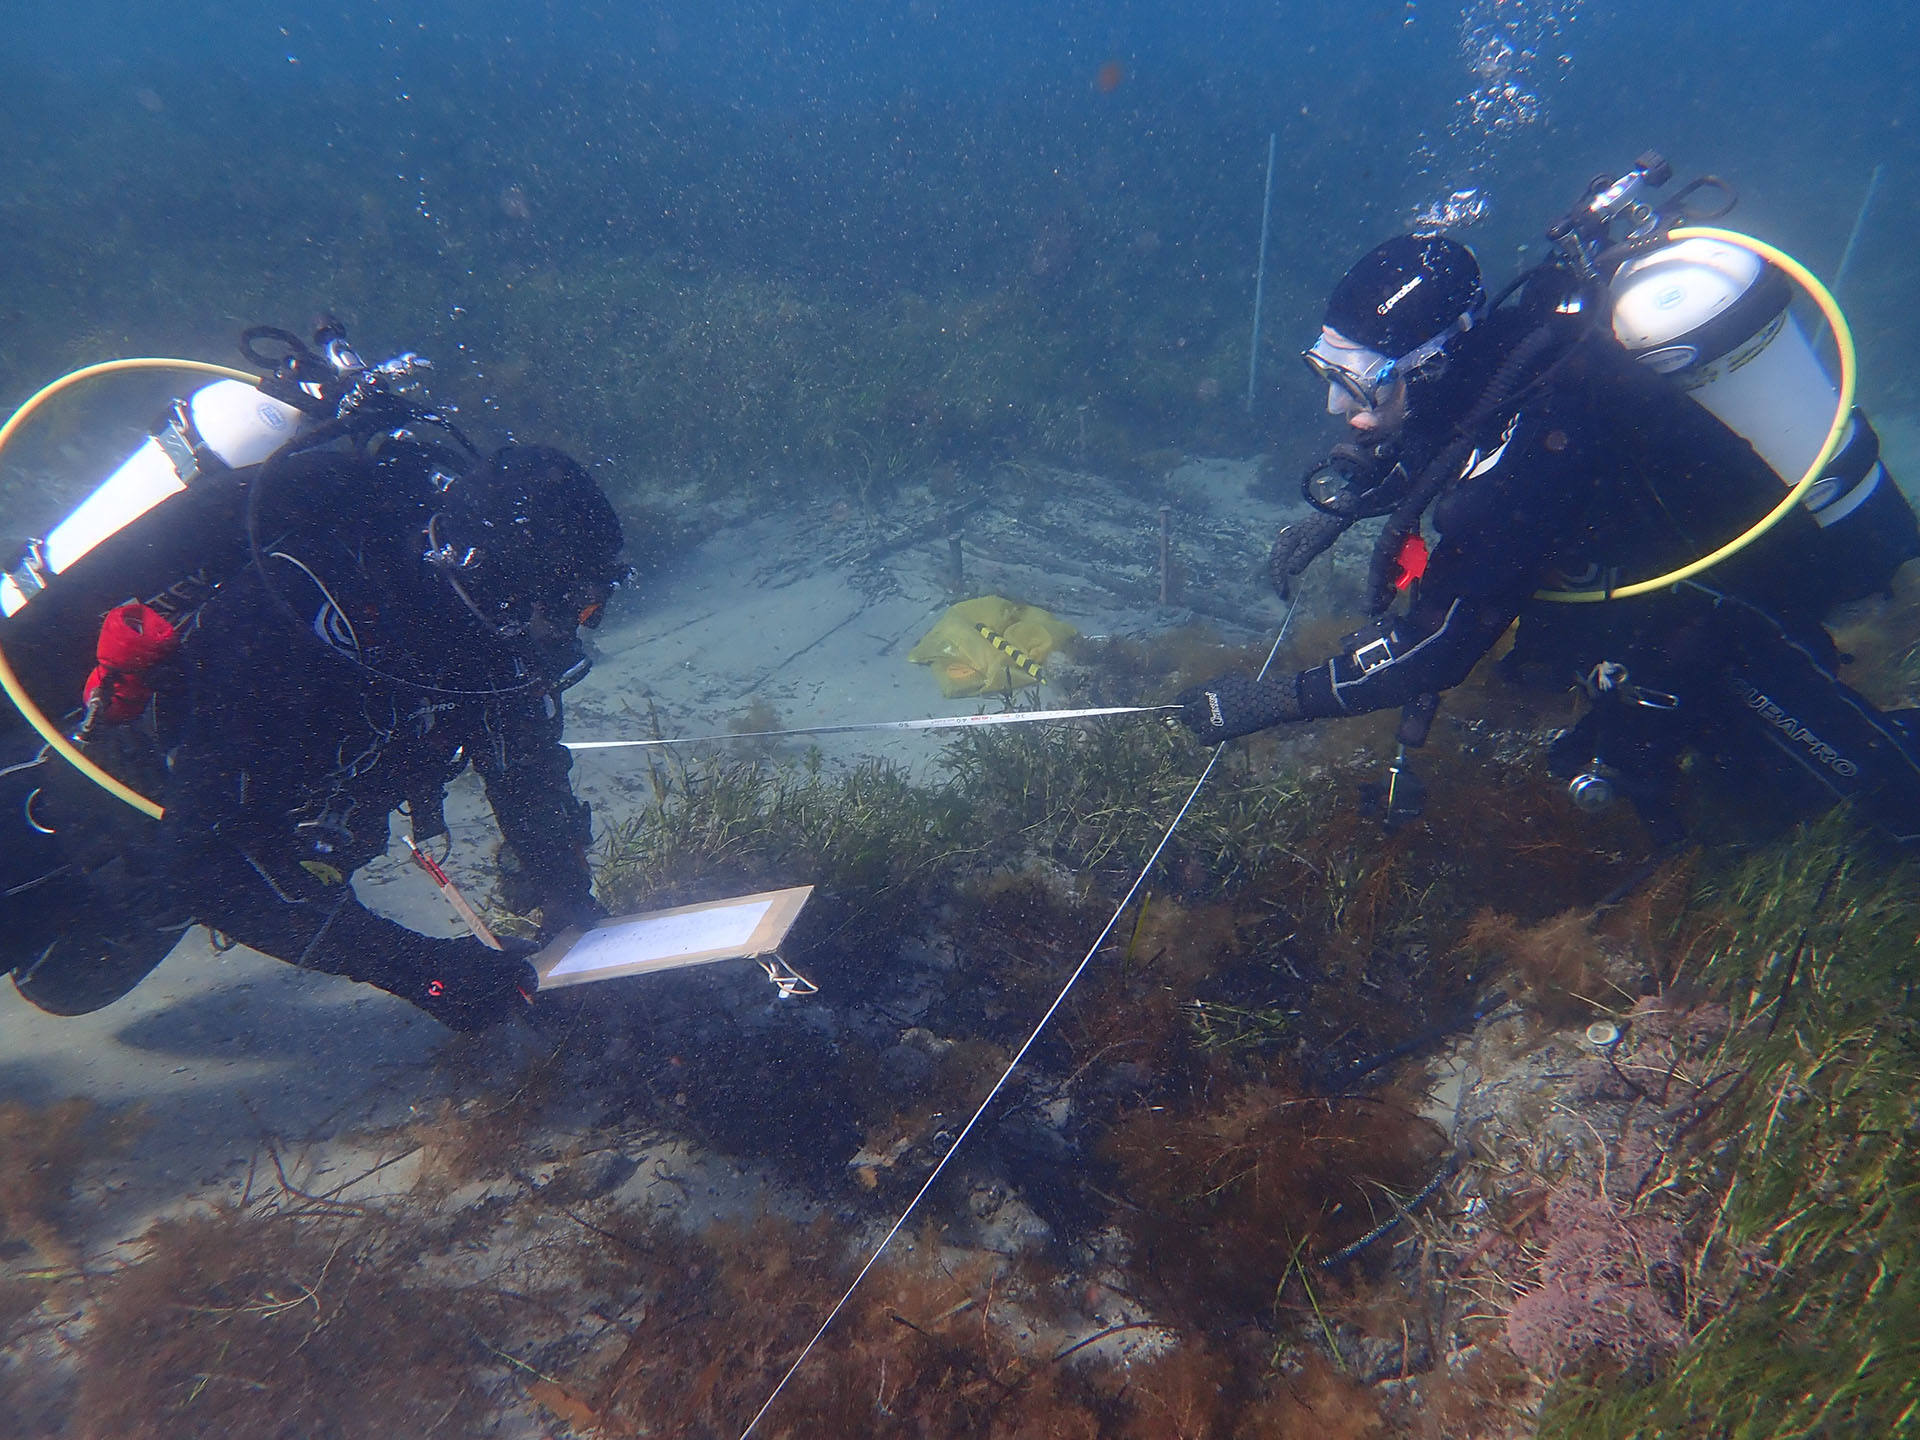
1015	656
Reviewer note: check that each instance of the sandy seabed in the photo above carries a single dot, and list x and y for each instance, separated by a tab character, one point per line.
225	1052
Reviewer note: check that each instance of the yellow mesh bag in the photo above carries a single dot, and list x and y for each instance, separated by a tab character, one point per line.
989	646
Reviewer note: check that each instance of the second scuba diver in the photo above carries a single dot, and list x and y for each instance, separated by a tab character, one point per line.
396	612
1547	454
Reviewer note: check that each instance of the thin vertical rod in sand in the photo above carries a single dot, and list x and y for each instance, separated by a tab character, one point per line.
1260	271
1853	244
1014	1064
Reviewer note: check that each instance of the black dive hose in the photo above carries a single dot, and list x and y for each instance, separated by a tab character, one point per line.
1445	467
1298	545
326	434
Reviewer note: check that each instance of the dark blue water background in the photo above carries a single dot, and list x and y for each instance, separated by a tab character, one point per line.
467	180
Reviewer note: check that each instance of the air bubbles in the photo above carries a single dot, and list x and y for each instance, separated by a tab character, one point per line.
1454	211
1491	58
1513	53
1502	42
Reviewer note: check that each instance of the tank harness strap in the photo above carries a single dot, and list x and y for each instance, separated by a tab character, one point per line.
185	448
1851	476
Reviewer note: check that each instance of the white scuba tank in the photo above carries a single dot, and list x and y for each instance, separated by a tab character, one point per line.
236	423
1716	317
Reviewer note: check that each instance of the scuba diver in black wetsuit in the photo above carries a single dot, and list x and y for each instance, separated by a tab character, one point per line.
1547	440
326	635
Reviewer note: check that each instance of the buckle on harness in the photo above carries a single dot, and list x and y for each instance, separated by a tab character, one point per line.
1372	655
185	447
179	450
327	833
29	573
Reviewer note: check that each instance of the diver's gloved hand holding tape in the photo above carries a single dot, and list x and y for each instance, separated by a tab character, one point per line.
1232	705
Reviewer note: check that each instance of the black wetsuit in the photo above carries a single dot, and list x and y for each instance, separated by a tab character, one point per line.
1598	473
306	705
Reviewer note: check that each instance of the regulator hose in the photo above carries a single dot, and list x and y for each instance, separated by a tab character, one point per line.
1445	467
1298	545
269	473
1836	432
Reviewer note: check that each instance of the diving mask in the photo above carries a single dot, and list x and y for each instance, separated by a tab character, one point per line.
1360	376
1366	377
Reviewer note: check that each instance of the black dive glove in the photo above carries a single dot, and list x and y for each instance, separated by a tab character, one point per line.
562	913
1229	706
468	986
1299	545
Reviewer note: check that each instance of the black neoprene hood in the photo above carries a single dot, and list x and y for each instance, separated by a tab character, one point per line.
1404	292
540	521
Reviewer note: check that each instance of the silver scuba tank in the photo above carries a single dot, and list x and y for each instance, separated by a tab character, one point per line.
1716	318
229	422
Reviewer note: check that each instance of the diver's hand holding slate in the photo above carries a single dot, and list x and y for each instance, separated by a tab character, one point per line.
741	927
469	986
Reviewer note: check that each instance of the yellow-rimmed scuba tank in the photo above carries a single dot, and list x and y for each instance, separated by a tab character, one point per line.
231	423
1709	308
108	548
1716	318
171	521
